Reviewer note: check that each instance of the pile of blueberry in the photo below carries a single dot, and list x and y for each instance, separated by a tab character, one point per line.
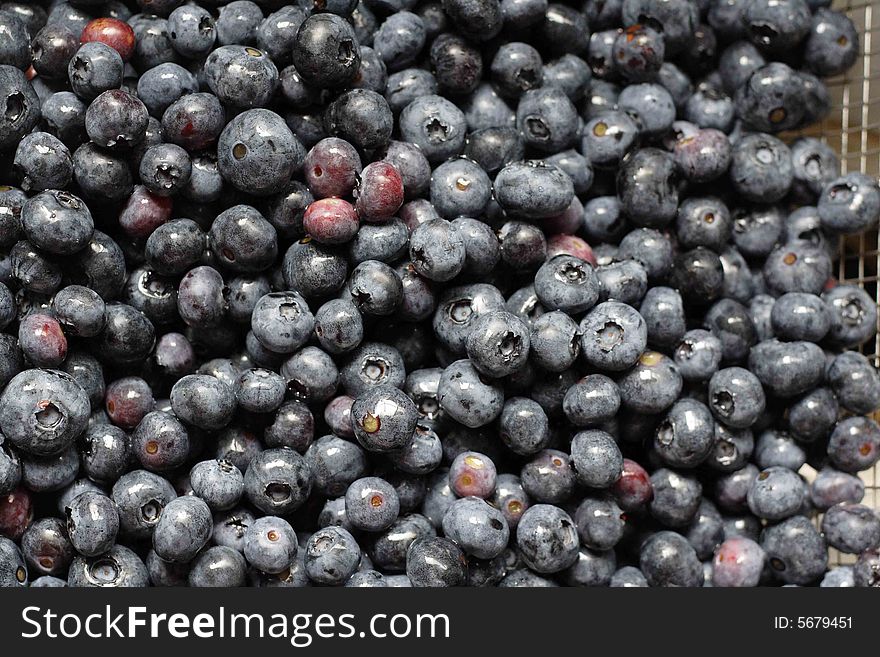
429	293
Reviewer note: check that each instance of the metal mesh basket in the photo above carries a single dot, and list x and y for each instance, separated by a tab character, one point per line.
852	129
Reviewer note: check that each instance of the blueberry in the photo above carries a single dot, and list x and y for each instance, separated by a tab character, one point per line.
787	368
219	483
866	571
628	577
218	566
851	528
57	222
596	459
779	449
467	397
795	550
257	152
855	382
478	528
184	528
43	411
435	562
652	385
853	315
203	401
434	124
667	559
46	547
547	539
638	52
372	364
736	397
118	567
92	523
854	444
800	316
549	477
832	44
777	27
384	418
498	344
613	336
608	137
738	562
776	493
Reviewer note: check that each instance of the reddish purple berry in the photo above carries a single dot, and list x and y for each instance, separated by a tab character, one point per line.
144	212
42	340
16	513
634	489
472	473
738	562
380	192
331	221
128	400
331	168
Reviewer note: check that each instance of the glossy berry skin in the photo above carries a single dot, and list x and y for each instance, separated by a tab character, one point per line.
119	567
436	125
42	341
331	168
371	504
282	322
218	566
736	397
549	477
854	444
203	401
436	562
637	53
795	550
219	483
257	152
112	32
325	51
613	336
141	497
738	562
335	463
46	548
776	493
849	204
853	315
160	441
270	544
379	192
241	76
667	559
651	385
542	555
478	528
57	222
43	411
383	418
832	45
144	212
183	529
851	528
472	474
332	556
92	523
466	397
278	481
787	368
128	400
